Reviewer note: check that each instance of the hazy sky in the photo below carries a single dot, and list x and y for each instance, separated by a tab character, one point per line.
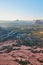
21	9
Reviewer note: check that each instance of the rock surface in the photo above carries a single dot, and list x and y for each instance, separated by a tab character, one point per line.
25	55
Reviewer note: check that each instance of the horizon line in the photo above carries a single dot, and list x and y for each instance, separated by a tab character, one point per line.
21	20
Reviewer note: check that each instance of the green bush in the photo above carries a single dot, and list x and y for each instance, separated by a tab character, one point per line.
22	62
9	48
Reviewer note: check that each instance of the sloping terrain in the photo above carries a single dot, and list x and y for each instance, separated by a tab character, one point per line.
20	55
21	45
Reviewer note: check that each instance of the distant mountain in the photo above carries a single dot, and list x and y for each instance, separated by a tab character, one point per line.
39	22
15	23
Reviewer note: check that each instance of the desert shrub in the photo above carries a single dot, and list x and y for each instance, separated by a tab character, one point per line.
4	47
9	48
16	49
22	62
13	45
41	61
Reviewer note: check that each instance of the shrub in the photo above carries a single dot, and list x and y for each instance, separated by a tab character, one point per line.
9	48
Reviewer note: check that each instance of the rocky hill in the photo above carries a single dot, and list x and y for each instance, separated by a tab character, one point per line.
39	22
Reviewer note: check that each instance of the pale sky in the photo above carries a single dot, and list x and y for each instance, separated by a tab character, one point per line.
21	9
